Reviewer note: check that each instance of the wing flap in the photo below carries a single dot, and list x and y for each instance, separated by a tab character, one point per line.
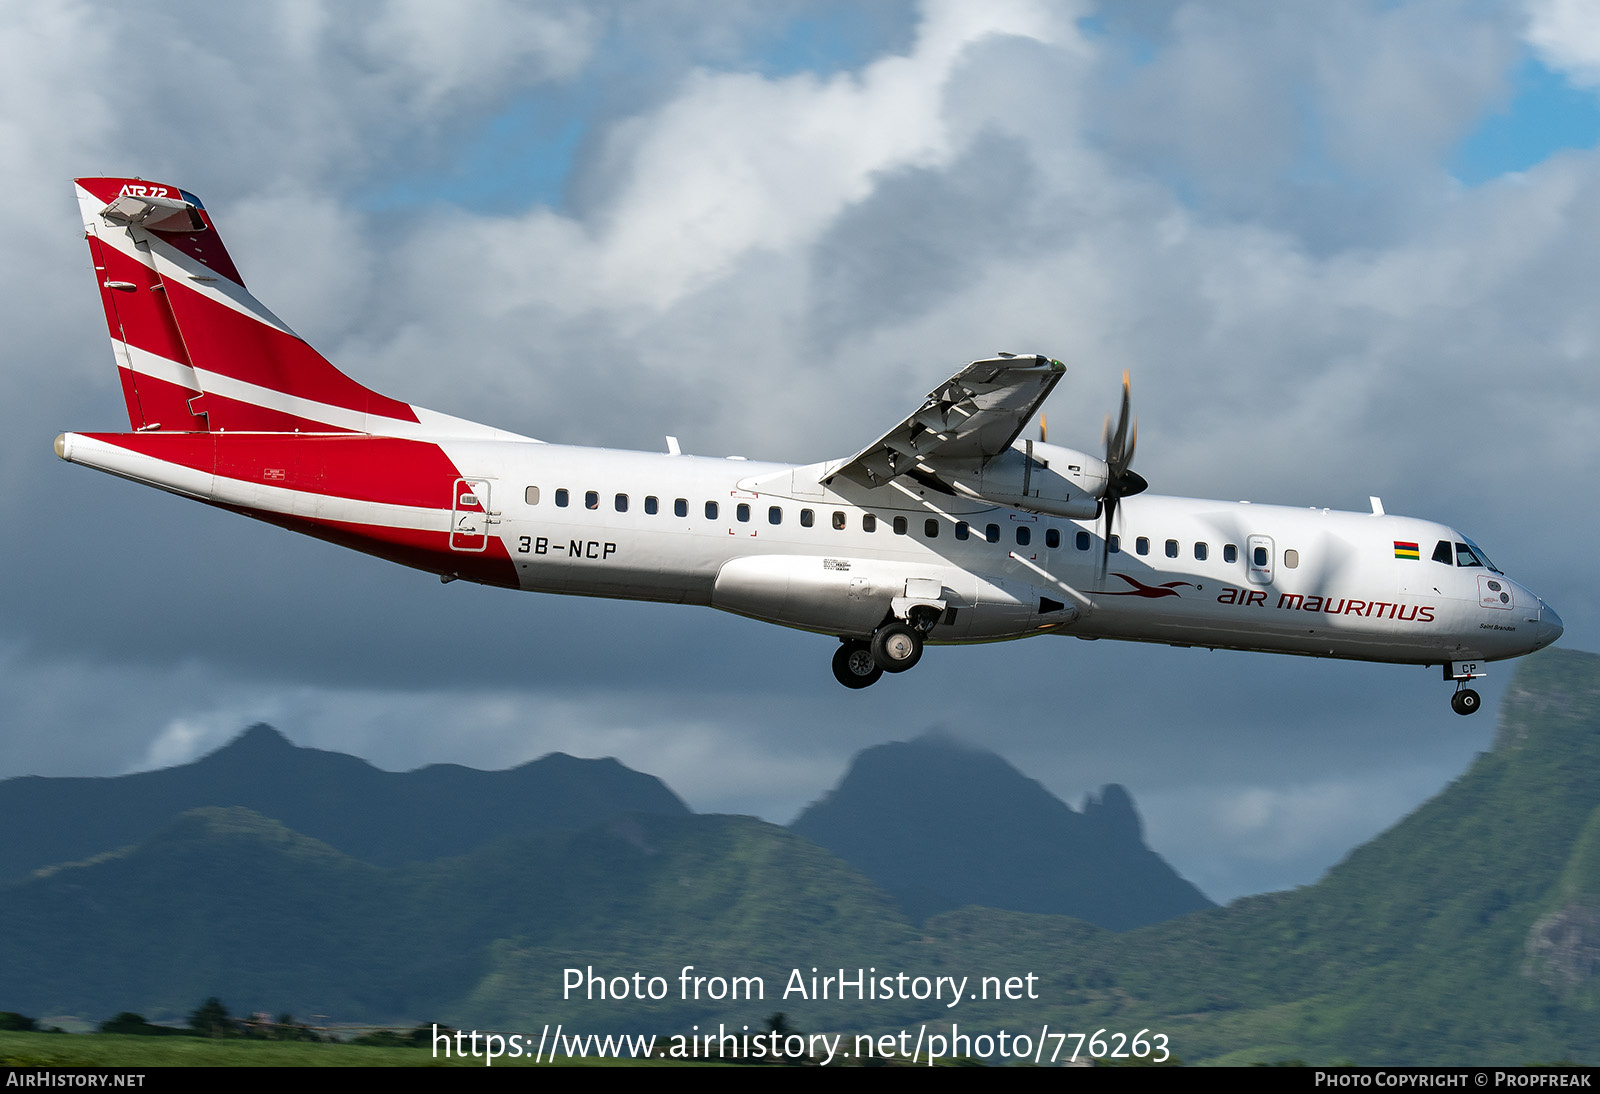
969	419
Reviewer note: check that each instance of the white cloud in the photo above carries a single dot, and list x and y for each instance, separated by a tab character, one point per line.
1566	34
431	52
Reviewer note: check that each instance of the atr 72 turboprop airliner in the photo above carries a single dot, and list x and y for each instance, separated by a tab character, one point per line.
947	529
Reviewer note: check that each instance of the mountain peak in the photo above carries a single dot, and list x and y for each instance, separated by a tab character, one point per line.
1114	814
380	817
259	738
941	824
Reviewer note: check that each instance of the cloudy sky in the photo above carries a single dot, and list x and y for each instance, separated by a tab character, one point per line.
1344	250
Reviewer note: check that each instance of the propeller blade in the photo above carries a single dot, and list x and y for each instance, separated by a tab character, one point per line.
1121	481
1110	507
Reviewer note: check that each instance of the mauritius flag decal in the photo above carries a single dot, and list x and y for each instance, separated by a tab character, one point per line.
1406	550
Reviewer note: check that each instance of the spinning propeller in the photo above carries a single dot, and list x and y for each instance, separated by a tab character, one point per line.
1121	481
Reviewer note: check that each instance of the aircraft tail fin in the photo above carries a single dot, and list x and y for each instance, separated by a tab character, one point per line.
195	351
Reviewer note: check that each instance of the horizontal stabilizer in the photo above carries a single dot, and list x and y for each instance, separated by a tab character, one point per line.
156	214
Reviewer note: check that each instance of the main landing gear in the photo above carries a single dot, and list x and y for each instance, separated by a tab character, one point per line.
894	647
853	665
1465	700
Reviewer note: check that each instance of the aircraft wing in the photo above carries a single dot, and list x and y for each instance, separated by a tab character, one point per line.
971	417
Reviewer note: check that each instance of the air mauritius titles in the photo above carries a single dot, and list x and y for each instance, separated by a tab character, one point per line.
1367	609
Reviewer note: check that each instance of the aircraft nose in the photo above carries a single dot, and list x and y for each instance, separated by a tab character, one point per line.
1550	627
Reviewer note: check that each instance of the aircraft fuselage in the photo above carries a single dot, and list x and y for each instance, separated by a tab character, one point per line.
767	541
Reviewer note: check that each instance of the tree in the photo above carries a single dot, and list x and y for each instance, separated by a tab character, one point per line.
129	1022
212	1020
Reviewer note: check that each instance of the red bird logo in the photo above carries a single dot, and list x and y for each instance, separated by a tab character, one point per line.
1149	591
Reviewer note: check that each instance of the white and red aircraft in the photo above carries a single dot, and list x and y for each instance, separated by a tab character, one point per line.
947	529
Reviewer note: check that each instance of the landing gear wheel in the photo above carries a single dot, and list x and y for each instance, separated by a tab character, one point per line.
854	667
896	647
1465	701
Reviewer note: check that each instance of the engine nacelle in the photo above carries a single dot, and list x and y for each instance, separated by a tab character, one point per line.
1038	478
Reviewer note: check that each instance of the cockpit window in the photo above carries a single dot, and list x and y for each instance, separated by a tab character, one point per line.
1465	557
1441	553
1483	558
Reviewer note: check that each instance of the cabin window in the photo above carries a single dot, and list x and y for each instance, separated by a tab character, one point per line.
992	533
1230	553
652	505
808	517
531	495
838	520
621	503
1081	540
774	515
930	528
1260	556
869	522
899	526
1200	552
1142	545
743	513
1291	558
680	507
1172	548
963	530
561	498
1024	534
1052	538
591	499
711	510
1441	553
1113	544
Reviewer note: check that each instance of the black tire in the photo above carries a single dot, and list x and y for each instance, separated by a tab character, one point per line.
1465	701
896	647
854	667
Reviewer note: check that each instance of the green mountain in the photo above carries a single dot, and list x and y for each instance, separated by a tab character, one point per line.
226	902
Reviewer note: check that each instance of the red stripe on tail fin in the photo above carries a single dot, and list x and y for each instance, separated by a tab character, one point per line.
198	352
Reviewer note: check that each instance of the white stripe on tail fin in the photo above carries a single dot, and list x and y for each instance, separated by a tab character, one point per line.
198	353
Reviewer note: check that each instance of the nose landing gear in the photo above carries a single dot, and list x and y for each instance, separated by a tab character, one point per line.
1465	701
